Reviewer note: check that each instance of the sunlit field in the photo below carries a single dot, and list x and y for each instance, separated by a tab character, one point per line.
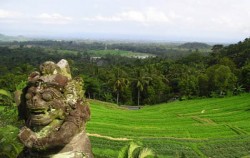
216	127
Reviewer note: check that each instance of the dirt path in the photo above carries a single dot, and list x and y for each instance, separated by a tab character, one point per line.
126	139
108	137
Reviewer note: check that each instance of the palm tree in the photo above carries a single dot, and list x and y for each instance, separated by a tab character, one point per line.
141	80
119	83
135	150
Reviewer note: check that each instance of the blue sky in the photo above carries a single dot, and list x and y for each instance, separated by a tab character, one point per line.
171	20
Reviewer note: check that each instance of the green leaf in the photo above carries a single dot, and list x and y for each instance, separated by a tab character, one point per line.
5	93
133	150
146	152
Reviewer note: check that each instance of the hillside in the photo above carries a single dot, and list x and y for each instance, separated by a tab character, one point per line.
195	45
4	38
196	128
217	127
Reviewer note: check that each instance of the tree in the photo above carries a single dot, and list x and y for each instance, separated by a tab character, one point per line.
158	90
217	47
92	86
203	85
224	79
221	79
140	80
119	83
245	76
188	85
228	62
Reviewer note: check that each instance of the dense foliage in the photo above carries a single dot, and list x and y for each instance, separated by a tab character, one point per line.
135	81
9	128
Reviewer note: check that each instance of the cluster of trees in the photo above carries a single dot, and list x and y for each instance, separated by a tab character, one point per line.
169	50
132	81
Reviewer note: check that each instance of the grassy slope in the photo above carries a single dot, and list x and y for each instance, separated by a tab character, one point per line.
196	128
118	52
101	53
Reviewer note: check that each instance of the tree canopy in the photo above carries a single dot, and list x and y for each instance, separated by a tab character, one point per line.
134	81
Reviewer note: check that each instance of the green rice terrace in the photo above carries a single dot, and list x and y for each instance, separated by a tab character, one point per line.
217	127
102	53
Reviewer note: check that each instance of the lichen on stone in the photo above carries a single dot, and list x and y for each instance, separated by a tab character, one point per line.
55	113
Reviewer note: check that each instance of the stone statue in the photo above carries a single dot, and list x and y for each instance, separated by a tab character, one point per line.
55	114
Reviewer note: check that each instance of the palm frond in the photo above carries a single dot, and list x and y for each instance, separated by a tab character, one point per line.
146	152
124	152
133	150
5	93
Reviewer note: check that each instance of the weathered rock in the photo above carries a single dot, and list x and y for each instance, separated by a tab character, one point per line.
55	114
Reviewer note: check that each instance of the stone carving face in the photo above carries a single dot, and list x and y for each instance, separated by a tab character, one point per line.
55	113
44	105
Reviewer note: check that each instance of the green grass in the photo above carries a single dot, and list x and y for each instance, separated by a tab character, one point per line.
217	127
102	53
66	51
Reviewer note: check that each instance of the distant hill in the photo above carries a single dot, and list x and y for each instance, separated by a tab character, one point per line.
195	45
6	38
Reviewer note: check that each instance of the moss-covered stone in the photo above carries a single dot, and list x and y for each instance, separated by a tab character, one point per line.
55	112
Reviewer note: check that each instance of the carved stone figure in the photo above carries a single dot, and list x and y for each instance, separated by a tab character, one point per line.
55	114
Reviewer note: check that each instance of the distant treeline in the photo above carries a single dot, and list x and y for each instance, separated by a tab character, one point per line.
170	50
223	71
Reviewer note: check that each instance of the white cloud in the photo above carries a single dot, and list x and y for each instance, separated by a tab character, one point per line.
163	18
133	16
54	18
151	15
10	17
103	18
4	14
8	14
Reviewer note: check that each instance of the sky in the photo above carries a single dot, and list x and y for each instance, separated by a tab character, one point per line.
167	20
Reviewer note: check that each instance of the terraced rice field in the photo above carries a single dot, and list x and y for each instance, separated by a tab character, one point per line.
218	127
